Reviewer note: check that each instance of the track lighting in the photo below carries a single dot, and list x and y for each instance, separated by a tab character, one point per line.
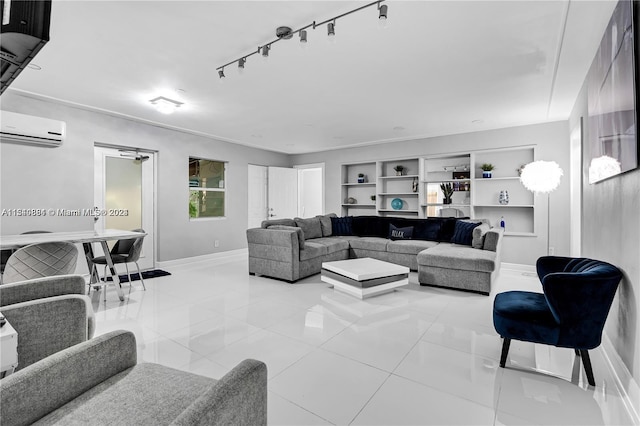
285	33
383	12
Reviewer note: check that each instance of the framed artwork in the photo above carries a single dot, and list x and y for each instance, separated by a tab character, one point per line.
612	96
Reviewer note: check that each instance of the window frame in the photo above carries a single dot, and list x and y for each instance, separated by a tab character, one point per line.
198	189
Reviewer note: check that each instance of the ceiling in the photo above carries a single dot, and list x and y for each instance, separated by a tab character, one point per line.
440	67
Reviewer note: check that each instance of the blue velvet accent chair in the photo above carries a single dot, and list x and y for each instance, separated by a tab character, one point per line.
570	313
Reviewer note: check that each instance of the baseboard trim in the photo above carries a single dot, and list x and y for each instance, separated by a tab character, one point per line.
624	381
518	267
221	257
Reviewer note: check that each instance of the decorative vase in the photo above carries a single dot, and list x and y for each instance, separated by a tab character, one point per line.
398	172
503	198
362	179
446	201
486	174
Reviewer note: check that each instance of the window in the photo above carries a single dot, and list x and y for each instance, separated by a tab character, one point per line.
206	188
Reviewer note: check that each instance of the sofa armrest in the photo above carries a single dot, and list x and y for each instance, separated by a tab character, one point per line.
45	386
40	288
46	326
280	236
493	239
239	398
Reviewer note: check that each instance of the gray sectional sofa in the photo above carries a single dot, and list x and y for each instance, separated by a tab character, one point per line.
448	252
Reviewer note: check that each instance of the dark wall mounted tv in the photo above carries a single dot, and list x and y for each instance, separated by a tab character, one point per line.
25	30
612	94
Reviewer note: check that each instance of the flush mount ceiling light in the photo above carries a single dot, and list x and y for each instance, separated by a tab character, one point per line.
286	33
165	105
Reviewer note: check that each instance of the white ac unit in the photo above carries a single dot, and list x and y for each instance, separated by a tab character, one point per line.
30	130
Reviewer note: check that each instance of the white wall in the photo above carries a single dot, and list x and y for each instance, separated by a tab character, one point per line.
552	143
34	177
611	232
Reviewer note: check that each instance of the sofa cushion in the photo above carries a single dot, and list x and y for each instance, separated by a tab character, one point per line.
446	229
325	224
478	235
341	226
286	222
333	244
106	403
370	226
463	232
370	243
427	229
312	250
291	228
452	256
396	233
310	227
409	246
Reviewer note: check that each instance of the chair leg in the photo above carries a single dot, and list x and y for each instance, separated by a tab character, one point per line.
128	274
586	361
505	351
140	275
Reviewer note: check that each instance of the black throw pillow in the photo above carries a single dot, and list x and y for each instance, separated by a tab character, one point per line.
463	232
341	225
400	233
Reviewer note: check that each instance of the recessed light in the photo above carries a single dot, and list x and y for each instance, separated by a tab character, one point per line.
398	128
477	121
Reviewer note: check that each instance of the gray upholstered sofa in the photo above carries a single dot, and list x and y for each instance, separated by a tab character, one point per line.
291	249
49	314
99	382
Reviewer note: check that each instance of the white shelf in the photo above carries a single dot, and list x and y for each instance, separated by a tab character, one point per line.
360	184
359	206
399	177
504	205
496	178
519	234
398	211
444	205
397	193
445	180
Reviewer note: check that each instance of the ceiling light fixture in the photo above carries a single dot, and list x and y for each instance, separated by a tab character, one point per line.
285	33
165	105
241	62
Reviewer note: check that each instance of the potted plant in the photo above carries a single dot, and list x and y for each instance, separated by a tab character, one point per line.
399	169
373	198
447	191
486	170
361	178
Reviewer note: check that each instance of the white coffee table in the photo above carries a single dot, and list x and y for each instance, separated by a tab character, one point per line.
364	277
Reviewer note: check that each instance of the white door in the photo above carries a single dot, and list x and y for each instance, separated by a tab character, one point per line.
283	192
124	190
257	195
310	190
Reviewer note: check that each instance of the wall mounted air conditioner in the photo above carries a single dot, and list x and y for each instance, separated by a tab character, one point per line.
30	130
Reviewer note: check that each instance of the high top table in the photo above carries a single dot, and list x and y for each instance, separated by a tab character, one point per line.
83	237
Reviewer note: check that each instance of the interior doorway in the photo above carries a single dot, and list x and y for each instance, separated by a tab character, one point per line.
282	192
124	189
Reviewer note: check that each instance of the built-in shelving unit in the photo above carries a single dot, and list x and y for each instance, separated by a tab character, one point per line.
418	188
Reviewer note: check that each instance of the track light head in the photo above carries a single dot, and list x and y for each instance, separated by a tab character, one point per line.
383	12
265	51
241	63
221	73
303	36
331	29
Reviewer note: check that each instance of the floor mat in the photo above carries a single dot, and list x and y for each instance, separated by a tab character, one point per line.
145	274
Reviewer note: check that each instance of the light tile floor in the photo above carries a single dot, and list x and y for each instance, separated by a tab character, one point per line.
417	356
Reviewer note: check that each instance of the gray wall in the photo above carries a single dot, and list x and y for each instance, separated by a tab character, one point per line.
36	177
552	143
611	232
